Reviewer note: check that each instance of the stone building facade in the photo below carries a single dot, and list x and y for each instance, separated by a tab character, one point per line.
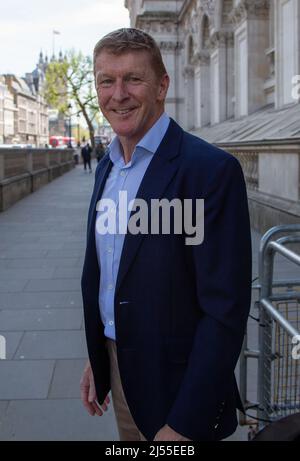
8	111
2	92
24	113
30	110
226	58
234	67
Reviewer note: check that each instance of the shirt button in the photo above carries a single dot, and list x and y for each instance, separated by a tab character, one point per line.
109	249
110	286
110	322
122	173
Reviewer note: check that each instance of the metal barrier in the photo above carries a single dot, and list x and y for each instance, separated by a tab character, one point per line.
278	371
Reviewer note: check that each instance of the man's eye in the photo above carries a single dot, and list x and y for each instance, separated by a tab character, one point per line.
134	79
105	82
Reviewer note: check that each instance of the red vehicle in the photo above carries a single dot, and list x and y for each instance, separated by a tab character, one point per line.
61	141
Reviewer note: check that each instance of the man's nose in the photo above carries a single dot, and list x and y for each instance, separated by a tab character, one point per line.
120	91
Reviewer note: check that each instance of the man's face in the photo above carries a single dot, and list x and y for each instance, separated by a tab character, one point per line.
130	94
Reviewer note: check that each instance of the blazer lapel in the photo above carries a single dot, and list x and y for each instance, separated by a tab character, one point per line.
91	259
99	186
159	173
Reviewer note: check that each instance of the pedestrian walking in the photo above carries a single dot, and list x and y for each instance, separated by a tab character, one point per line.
86	156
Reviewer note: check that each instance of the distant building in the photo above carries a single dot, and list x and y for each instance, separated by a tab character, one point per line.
58	123
30	112
2	96
25	117
8	114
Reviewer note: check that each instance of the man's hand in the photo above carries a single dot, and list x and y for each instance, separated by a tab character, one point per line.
166	433
88	393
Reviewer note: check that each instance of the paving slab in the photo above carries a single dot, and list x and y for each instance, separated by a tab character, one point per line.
65	253
12	286
7	236
66	379
38	319
25	379
24	247
56	285
15	253
40	263
55	420
3	407
78	244
67	273
52	345
44	300
26	273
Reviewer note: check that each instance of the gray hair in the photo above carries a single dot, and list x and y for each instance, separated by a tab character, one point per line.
124	40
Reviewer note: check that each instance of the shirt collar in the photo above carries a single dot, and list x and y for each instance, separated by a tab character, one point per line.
149	143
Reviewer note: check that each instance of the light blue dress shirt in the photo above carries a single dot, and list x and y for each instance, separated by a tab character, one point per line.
122	177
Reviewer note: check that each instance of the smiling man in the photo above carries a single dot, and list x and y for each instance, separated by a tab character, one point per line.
164	321
131	93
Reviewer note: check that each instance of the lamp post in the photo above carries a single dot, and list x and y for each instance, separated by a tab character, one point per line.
78	132
70	126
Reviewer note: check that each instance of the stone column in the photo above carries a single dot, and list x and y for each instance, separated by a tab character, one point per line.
287	49
202	89
189	87
251	42
169	55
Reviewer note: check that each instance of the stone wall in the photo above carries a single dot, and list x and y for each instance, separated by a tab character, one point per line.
272	174
23	171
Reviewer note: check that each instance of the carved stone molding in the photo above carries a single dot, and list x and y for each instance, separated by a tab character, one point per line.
221	39
208	7
188	72
201	58
168	46
157	22
250	9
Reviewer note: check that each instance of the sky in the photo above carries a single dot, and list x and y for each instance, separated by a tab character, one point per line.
26	28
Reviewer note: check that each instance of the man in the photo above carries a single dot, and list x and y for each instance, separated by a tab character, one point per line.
164	320
86	156
99	150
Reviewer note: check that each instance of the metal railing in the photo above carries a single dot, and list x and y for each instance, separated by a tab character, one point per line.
278	371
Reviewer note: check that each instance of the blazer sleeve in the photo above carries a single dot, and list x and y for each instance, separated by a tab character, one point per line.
222	266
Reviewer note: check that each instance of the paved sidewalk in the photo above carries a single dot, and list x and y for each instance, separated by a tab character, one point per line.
41	255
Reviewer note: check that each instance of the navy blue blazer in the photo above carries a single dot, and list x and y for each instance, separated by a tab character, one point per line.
180	332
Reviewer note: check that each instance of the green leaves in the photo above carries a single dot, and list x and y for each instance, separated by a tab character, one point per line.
72	81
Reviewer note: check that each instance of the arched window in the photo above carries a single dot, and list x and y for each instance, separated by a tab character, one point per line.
190	51
205	32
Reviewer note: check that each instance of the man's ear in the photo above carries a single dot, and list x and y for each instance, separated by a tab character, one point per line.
163	87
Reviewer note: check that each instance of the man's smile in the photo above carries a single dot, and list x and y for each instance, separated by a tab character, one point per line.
124	111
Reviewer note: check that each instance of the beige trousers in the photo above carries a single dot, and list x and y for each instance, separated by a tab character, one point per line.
128	430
